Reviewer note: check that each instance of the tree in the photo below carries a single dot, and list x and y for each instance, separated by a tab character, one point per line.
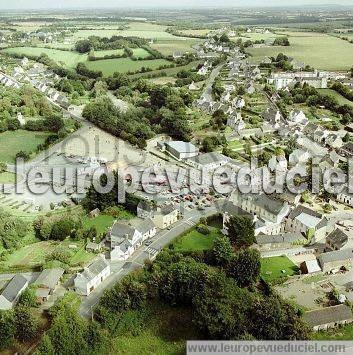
28	297
3	167
22	155
62	229
7	329
245	267
222	251
241	231
275	319
26	324
83	46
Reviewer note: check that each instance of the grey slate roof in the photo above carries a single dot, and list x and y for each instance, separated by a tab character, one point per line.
95	268
264	201
328	315
146	226
13	288
278	239
121	230
166	209
49	277
337	238
337	255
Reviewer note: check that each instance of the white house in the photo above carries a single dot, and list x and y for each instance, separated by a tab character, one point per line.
147	229
92	276
11	293
122	252
181	150
297	117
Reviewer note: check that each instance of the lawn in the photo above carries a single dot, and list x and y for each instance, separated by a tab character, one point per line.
318	50
137	52
271	268
102	223
341	99
68	59
123	65
12	142
160	330
341	333
7	178
195	241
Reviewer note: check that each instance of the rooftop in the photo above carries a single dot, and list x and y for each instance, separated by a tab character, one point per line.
328	315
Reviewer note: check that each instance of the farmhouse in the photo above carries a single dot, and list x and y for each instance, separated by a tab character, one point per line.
165	216
46	282
208	161
328	317
336	259
92	276
12	292
147	229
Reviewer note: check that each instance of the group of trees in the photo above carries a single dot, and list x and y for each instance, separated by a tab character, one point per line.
158	109
281	41
19	324
221	288
186	77
12	231
343	90
114	42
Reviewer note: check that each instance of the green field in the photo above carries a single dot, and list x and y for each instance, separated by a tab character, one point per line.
102	223
12	142
168	47
68	59
195	241
123	65
137	52
341	100
34	255
7	178
318	50
271	268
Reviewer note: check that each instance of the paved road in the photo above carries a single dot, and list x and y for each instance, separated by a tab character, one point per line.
163	238
207	93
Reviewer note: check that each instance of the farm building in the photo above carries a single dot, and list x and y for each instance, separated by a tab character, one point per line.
12	292
46	282
329	317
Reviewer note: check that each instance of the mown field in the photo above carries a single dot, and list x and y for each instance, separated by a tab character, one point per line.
11	142
68	59
123	65
271	268
168	47
321	51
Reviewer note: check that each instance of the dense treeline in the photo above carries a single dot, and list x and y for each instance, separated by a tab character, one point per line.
114	42
161	109
343	90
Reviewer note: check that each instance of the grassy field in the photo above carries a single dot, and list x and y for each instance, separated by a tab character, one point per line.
202	32
195	241
68	59
160	330
34	255
12	142
168	71
123	65
318	50
341	100
102	223
138	52
7	178
271	268
168	47
341	333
